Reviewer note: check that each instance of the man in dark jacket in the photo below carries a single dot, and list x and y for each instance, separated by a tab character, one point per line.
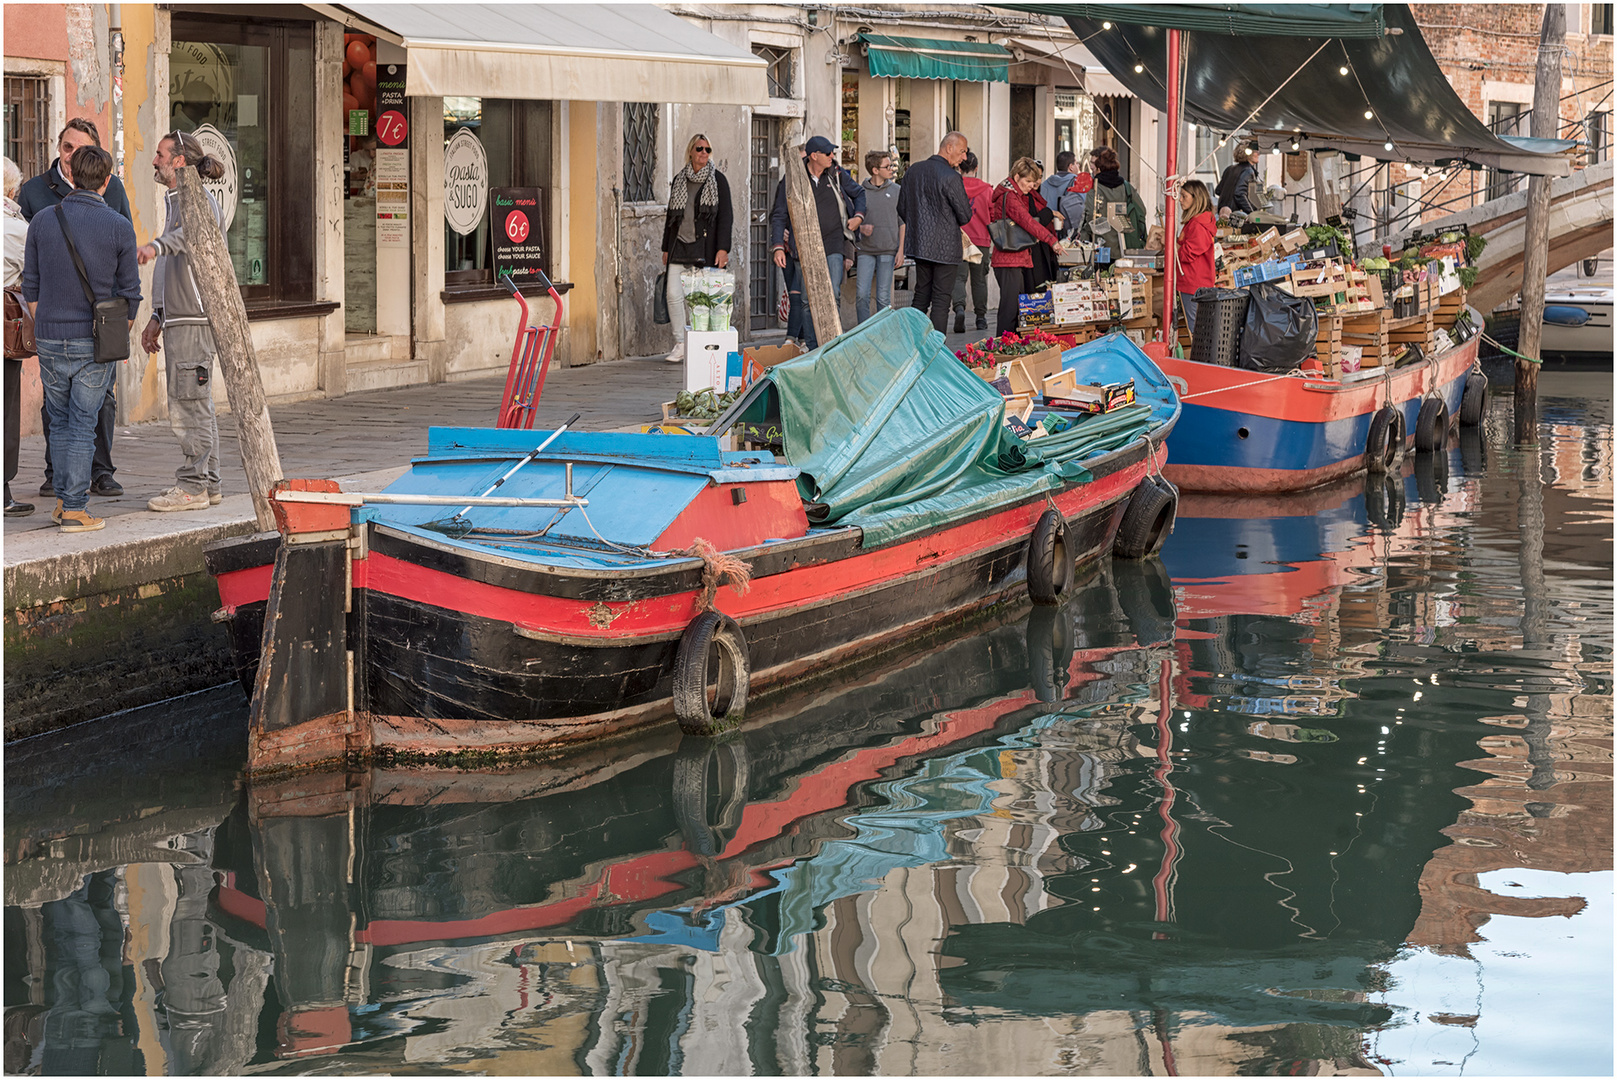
74	382
836	216
933	207
48	189
1231	192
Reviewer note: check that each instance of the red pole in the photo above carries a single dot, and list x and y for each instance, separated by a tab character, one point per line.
1170	224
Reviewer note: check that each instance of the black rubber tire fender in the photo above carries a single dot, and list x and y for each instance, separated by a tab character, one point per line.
1385	439
1431	426
701	770
1432	477
1049	565
697	715
1145	596
1474	400
1049	652
1148	520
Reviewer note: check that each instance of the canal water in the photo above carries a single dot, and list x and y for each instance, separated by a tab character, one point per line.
1328	790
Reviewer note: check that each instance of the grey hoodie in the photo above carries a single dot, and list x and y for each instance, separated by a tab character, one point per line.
178	301
1055	190
881	211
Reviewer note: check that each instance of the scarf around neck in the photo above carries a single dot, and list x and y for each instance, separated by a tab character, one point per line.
679	187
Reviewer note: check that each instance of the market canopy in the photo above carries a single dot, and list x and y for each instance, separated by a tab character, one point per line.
561	52
935	58
1239	58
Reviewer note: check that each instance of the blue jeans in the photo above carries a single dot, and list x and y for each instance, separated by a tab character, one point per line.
834	264
878	269
1188	299
75	386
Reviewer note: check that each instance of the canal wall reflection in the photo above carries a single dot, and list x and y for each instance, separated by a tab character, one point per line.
1181	825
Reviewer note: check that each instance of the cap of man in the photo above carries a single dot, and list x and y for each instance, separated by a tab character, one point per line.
820	145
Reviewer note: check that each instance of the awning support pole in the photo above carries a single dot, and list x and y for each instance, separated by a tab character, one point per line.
1170	222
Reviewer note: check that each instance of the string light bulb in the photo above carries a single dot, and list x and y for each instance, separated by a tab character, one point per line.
1369	114
1387	145
1342	69
1138	68
1276	149
1105	26
1295	144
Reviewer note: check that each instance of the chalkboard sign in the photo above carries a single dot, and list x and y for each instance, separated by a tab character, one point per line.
517	225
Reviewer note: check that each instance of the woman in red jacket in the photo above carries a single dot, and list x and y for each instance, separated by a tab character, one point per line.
1014	269
1196	232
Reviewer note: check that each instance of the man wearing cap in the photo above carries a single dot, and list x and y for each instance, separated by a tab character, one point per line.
934	208
838	218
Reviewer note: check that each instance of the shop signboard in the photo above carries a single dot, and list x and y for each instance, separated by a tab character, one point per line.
465	181
224	190
518	221
392	125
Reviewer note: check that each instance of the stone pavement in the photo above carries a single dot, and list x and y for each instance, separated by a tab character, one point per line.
360	433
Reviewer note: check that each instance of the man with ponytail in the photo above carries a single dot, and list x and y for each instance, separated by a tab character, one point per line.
179	326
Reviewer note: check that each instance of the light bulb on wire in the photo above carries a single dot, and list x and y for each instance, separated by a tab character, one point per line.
1343	69
1105	26
1387	145
1369	114
1138	68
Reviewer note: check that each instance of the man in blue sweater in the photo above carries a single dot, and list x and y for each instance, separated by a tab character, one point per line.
47	189
75	385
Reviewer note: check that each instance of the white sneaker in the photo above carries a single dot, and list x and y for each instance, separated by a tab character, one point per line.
677	354
177	498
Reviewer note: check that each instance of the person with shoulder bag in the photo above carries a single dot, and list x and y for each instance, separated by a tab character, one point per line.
1014	232
19	331
696	231
78	264
1116	216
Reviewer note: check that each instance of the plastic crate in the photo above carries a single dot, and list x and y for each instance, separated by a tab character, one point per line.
1220	319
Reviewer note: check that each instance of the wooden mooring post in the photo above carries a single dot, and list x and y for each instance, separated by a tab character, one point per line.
1536	243
817	291
238	365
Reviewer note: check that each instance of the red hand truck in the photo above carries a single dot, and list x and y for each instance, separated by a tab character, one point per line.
530	359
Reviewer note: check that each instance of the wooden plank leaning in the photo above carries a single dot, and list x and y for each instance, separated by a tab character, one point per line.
817	294
238	365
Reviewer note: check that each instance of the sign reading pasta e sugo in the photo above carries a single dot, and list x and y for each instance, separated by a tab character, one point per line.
465	181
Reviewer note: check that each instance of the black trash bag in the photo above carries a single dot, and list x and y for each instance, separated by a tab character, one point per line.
1281	330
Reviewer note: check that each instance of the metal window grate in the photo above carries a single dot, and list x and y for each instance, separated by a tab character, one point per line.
763	277
780	69
28	141
639	151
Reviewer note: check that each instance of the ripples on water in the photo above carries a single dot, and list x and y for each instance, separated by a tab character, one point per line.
1328	790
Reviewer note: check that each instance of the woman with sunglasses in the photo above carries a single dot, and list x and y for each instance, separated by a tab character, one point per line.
697	232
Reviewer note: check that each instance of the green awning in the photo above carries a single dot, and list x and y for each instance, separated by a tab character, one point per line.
934	58
1239	20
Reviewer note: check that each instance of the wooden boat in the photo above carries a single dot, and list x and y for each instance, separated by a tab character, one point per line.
623	577
1250	433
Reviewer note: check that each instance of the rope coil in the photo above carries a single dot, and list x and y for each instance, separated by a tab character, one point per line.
718	568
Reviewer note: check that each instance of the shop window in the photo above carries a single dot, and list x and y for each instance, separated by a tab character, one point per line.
251	84
639	152
515	136
780	69
29	140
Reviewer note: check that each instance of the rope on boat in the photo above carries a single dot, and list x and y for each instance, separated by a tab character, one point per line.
718	568
1243	386
1510	351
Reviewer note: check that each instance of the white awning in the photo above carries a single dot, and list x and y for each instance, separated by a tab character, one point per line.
562	52
1071	58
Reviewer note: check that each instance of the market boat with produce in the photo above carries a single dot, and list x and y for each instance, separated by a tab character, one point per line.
616	579
1306	366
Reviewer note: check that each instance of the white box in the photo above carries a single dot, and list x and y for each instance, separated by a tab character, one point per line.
706	353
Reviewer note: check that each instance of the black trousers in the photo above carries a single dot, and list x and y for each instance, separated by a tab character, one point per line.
13	391
934	288
1013	282
974	275
107	419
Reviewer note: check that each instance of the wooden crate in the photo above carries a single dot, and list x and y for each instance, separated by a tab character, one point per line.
1328	345
1372	333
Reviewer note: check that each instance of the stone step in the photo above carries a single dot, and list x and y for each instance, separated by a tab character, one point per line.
384	374
369	348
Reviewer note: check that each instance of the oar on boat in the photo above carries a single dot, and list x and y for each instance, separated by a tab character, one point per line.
457	524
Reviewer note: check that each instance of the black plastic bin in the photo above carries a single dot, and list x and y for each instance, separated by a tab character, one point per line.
1220	318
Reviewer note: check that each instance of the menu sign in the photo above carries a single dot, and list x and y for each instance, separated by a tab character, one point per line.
518	220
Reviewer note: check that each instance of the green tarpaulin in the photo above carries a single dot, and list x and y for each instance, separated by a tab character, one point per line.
929	58
895	435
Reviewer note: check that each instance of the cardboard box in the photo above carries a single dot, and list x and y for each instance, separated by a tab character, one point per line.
1062	384
760	358
1019	406
1295	240
1095	399
707	356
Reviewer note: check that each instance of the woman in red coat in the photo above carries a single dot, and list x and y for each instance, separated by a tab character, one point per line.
1014	269
1196	232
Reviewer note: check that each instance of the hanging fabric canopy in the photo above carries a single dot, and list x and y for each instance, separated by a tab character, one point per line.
1362	91
936	58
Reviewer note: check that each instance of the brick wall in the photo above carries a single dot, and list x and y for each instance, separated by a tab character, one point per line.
1489	53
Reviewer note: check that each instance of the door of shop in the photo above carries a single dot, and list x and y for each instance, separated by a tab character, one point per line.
764	283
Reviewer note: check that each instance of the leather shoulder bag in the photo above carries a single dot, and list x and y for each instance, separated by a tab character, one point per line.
109	318
19	327
1007	234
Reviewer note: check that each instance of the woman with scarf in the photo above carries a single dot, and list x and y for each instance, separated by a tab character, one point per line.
1014	269
697	232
